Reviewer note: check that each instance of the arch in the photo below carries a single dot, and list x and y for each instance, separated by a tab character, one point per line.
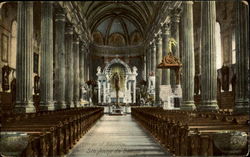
98	37
116	61
135	38
116	39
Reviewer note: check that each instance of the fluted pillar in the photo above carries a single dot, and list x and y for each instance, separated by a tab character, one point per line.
242	58
158	72
104	91
153	58
149	60
99	92
69	65
81	68
165	37
59	59
175	34
188	57
46	78
24	70
208	57
76	70
134	91
87	65
144	71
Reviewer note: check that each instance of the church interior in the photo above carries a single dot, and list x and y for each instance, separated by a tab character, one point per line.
124	78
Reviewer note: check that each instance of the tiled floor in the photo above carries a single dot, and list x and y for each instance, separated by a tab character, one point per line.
117	136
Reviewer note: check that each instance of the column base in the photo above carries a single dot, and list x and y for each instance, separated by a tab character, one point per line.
70	104
178	90
241	108
60	105
77	103
188	105
208	106
25	107
47	106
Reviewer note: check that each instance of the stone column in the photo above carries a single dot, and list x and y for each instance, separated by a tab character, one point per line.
134	92
158	72
76	70
24	70
69	65
59	79
81	67
153	58
144	71
188	57
208	57
46	78
175	34
165	37
242	58
104	91
148	61
129	90
109	99
99	91
87	65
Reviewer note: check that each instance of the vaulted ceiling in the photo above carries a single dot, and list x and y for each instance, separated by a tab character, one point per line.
138	12
123	17
118	23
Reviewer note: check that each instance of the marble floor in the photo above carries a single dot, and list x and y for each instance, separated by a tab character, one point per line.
117	136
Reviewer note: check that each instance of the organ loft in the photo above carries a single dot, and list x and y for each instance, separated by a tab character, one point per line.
124	78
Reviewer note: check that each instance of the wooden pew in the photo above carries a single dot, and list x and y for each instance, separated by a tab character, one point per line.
188	132
56	131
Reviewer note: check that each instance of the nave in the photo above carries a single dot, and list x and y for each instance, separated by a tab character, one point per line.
180	68
117	136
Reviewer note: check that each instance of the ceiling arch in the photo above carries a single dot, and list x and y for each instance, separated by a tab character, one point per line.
144	16
139	12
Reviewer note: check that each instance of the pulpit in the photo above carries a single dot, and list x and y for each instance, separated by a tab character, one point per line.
171	97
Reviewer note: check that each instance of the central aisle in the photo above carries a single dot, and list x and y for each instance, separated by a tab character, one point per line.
117	136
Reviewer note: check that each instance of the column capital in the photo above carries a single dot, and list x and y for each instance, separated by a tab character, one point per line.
165	29
47	2
176	15
152	44
244	2
60	14
76	38
188	2
69	28
158	39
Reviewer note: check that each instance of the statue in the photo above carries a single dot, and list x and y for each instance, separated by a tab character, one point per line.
5	77
171	43
98	69
116	80
36	85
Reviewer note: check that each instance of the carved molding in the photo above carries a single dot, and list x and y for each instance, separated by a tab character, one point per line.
117	51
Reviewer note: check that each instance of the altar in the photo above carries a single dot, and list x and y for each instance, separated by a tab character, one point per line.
106	85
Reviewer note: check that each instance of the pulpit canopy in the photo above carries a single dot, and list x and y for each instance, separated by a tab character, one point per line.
170	62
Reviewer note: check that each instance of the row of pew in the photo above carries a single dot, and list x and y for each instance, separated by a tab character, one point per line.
52	133
189	133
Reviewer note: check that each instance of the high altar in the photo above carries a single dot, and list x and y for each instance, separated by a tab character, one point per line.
127	83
